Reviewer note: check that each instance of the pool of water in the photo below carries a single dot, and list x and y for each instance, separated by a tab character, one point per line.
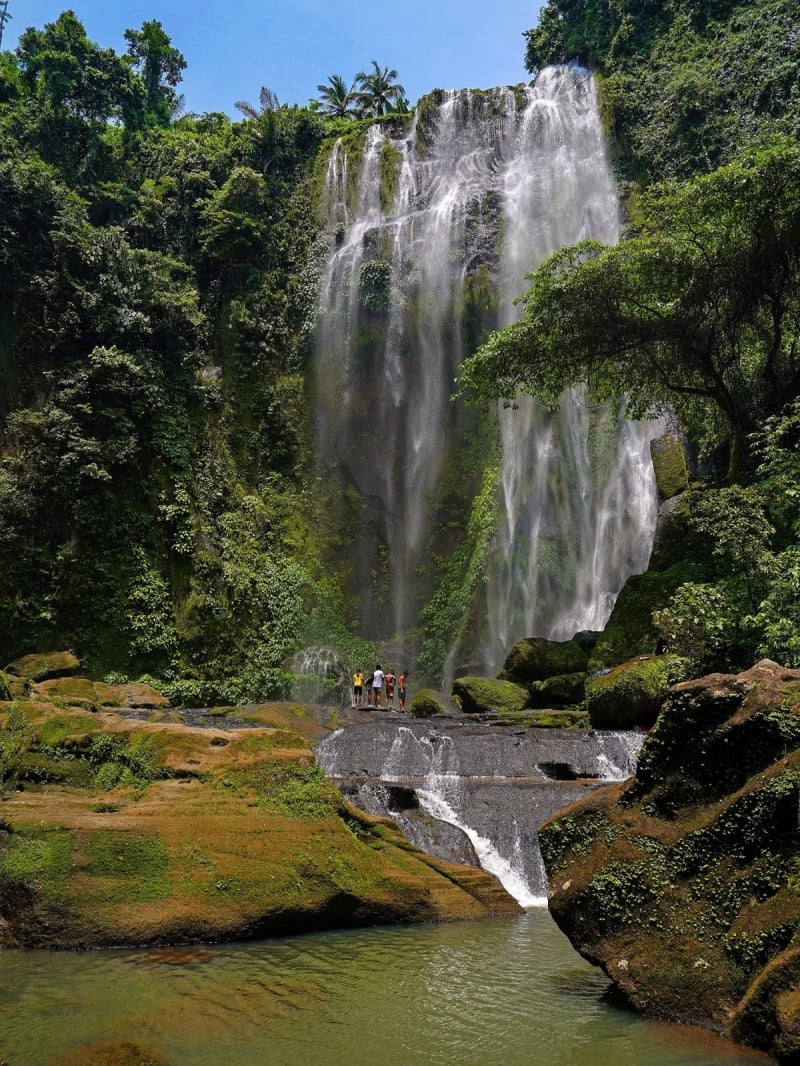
509	991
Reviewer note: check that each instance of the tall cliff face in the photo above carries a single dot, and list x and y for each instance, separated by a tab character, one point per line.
683	883
433	229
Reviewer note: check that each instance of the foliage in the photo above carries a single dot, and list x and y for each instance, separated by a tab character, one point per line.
686	84
378	91
698	312
750	607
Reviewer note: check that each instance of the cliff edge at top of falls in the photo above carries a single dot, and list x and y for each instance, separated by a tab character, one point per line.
683	883
117	831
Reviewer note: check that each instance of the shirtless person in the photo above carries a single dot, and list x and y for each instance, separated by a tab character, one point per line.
401	689
390	679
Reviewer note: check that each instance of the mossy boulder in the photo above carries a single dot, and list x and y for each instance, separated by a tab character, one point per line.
631	695
563	690
481	694
536	659
425	704
669	466
682	882
45	666
164	833
630	630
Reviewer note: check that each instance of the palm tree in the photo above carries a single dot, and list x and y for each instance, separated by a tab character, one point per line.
336	98
266	98
377	90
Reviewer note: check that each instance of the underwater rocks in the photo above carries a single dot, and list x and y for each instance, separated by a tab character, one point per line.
684	882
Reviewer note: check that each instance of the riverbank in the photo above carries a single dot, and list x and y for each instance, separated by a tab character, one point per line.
121	831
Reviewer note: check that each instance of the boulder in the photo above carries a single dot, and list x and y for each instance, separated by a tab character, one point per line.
630	630
631	694
536	659
478	695
425	704
682	882
669	466
563	690
45	666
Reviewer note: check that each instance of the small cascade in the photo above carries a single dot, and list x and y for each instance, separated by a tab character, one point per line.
507	871
617	754
494	786
321	676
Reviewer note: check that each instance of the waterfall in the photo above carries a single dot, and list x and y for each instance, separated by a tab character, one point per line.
497	787
432	229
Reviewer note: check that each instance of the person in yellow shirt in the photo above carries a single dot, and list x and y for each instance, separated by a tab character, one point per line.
358	687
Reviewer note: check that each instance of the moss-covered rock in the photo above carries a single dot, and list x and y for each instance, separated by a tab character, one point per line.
669	465
631	695
630	630
682	883
45	666
425	704
563	690
536	659
166	833
481	694
5	687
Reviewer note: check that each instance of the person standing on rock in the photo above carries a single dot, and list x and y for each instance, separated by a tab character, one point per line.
358	687
377	684
401	689
368	684
390	679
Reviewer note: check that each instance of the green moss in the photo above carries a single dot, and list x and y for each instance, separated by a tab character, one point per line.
45	666
36	859
425	704
632	694
134	867
477	694
563	690
390	163
54	731
536	659
630	630
669	465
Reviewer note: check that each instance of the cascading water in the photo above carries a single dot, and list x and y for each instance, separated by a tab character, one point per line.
577	488
495	786
433	229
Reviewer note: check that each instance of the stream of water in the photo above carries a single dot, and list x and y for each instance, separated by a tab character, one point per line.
509	991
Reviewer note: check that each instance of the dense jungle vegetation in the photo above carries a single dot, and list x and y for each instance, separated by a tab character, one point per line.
157	290
159	511
697	311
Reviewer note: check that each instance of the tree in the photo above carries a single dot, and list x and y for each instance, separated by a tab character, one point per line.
4	18
268	101
336	98
161	67
699	312
377	90
72	78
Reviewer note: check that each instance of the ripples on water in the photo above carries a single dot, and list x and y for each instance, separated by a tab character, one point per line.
510	992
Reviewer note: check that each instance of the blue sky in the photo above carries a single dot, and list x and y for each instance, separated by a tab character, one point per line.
233	47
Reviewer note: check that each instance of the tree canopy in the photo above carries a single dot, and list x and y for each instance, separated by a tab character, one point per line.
699	311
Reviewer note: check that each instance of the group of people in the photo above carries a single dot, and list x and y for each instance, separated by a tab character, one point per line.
374	683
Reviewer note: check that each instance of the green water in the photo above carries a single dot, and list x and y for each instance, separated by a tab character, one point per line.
507	992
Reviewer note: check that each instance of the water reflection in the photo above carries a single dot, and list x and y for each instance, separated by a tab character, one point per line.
510	991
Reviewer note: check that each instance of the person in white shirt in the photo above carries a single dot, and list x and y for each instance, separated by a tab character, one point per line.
377	685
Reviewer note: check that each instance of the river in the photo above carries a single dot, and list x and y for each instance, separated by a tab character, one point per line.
509	991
